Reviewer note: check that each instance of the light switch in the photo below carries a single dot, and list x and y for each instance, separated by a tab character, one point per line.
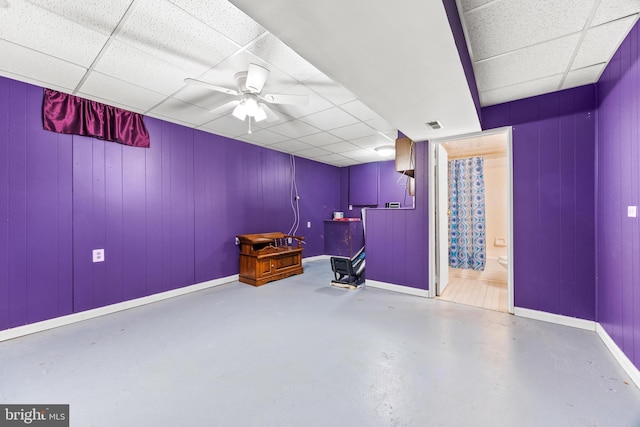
632	211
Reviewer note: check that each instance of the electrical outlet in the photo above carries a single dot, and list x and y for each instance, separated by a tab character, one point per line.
237	241
309	224
632	211
98	255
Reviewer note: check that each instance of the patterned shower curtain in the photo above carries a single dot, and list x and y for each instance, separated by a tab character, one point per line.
467	245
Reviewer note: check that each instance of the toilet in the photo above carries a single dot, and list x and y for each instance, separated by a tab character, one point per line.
503	261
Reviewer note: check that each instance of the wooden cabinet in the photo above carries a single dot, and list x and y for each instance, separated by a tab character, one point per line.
405	156
267	257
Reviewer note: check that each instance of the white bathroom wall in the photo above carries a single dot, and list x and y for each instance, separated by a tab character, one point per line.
496	203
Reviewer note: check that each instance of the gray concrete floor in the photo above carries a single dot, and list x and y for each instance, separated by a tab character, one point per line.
298	352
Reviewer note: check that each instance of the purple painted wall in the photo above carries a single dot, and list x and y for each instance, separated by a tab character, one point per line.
166	216
553	199
35	211
389	187
618	236
396	239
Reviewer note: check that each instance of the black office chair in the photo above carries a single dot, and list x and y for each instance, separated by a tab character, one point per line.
349	272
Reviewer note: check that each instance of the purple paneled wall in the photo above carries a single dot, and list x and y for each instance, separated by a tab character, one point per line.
166	216
396	239
618	236
35	211
391	186
553	199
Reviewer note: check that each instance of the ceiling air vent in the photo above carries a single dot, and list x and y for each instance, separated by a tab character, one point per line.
435	125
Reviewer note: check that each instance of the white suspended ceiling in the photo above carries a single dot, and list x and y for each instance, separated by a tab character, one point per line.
368	67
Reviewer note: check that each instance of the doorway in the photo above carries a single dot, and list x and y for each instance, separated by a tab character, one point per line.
490	286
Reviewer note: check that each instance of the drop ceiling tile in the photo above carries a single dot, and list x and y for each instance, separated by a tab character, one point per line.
341	147
171	34
357	130
613	9
227	126
468	5
107	87
371	141
527	64
331	158
103	15
506	26
320	139
265	137
342	162
329	119
357	109
381	125
224	17
312	153
290	146
583	76
46	32
600	43
275	52
39	68
140	68
294	129
329	89
189	113
363	155
520	91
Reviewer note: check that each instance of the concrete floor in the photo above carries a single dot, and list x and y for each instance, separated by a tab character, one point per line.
299	353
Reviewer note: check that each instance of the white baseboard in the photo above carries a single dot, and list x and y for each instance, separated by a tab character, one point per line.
397	288
109	309
317	257
559	319
622	358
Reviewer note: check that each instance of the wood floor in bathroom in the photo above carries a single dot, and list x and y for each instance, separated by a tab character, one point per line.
478	293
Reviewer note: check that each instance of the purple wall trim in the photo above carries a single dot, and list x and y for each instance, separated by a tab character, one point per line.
166	216
461	43
618	288
553	202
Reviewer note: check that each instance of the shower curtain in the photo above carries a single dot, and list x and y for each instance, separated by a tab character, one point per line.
467	245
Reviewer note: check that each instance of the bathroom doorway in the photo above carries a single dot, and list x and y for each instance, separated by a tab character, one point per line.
488	283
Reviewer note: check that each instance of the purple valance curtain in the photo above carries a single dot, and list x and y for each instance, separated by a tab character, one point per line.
64	113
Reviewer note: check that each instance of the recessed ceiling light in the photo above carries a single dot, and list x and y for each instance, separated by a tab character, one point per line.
386	150
435	125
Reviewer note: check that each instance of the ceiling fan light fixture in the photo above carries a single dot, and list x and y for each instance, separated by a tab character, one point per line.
260	115
240	111
250	105
386	150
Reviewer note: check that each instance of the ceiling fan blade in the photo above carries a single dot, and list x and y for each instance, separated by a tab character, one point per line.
256	78
274	98
211	86
271	115
227	106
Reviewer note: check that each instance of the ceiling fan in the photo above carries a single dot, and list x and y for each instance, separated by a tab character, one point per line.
251	102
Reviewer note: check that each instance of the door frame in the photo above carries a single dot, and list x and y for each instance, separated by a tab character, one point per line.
507	131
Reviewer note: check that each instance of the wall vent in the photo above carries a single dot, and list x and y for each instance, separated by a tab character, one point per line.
435	125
